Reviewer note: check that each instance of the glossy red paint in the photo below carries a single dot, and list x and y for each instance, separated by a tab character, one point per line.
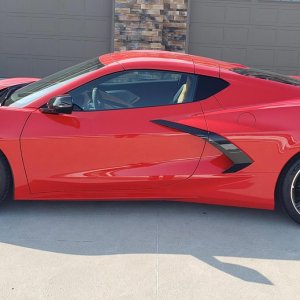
8	82
121	154
109	155
162	56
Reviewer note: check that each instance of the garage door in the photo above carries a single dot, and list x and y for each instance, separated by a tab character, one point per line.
39	37
259	33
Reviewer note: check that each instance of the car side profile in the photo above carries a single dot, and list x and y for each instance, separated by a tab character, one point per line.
146	125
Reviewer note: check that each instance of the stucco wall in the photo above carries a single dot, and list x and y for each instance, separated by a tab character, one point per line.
39	37
262	34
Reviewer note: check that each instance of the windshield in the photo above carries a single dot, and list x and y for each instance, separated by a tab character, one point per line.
34	91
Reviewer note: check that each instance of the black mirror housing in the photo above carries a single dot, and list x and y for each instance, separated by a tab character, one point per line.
59	105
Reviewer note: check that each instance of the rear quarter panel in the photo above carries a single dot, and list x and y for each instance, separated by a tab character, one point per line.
261	118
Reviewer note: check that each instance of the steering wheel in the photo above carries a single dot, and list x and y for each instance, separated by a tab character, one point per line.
97	100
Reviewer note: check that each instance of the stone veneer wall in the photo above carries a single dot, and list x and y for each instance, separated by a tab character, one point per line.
151	24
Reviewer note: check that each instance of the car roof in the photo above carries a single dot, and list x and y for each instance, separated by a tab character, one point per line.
156	55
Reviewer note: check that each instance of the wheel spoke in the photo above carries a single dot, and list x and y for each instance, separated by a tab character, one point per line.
297	204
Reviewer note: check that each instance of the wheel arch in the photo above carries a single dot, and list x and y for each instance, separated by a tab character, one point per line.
277	192
4	157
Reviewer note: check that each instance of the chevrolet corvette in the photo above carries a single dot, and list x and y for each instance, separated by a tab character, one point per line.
154	125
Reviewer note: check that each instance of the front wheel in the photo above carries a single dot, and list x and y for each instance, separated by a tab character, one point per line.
289	190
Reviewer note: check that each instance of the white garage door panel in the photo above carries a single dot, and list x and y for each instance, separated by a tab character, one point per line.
39	37
259	33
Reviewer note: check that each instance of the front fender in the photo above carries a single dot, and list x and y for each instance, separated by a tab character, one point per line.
12	122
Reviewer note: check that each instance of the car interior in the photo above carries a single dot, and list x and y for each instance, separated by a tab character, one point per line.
118	93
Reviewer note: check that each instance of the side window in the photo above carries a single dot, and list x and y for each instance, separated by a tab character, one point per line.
134	89
209	86
138	76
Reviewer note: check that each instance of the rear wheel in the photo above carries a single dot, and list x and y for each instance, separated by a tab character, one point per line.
290	190
5	181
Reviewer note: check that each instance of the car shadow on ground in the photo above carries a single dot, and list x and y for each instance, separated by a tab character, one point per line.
108	228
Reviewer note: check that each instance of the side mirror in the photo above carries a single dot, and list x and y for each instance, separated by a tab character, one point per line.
59	105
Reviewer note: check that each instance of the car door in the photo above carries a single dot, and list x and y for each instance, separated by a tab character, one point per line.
115	144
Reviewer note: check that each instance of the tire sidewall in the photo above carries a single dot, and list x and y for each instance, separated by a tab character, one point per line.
286	196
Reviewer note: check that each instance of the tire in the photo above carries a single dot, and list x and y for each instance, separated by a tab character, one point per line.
5	181
289	190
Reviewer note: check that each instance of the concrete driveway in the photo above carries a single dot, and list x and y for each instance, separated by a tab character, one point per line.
149	250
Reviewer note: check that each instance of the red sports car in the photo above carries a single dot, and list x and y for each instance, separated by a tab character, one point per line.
9	85
149	125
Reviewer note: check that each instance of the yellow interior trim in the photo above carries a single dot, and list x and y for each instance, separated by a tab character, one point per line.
182	95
